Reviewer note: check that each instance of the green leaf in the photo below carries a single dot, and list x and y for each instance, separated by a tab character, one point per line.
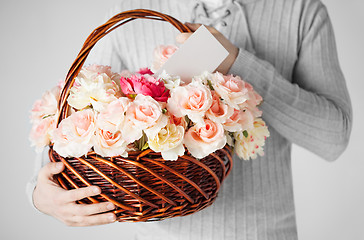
245	133
50	115
210	85
146	146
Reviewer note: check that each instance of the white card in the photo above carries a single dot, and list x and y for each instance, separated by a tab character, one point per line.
200	52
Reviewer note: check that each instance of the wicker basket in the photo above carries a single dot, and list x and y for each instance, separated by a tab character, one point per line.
143	187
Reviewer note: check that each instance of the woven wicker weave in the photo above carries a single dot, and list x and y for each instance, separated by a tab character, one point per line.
144	187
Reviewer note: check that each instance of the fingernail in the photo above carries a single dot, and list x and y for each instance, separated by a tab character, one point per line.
110	206
59	165
112	218
96	190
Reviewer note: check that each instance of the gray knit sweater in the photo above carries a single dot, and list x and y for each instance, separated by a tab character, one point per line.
288	53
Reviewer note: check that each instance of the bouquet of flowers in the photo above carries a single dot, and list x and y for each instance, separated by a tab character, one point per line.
113	114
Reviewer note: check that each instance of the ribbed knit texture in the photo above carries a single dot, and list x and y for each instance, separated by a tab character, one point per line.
292	62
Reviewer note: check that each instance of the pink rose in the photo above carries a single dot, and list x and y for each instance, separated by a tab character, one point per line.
192	100
178	121
109	144
240	120
233	90
219	111
161	55
144	114
40	135
146	85
73	137
201	140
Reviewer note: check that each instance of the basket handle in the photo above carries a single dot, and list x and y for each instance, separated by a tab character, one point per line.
113	23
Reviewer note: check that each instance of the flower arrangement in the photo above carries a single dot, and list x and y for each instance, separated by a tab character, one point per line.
113	114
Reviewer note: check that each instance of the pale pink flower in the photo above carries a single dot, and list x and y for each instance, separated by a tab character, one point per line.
251	146
219	111
46	106
168	141
201	140
40	134
143	114
94	69
146	85
232	89
108	144
192	100
254	99
161	55
240	120
111	118
73	137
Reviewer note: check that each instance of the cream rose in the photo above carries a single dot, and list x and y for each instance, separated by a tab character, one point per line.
144	114
93	89
73	137
168	141
201	140
251	145
192	100
232	90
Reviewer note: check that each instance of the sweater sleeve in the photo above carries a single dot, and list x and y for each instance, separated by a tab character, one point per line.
314	110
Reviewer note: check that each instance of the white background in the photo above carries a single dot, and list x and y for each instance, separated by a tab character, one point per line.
39	40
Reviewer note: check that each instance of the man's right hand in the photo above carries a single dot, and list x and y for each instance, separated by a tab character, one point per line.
51	199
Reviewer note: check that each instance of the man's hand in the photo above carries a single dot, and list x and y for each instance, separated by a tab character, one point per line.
231	48
53	200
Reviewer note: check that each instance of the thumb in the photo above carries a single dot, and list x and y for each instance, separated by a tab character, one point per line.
51	169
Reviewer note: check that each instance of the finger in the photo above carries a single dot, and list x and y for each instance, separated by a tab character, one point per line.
80	193
99	219
51	169
193	26
182	37
92	209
